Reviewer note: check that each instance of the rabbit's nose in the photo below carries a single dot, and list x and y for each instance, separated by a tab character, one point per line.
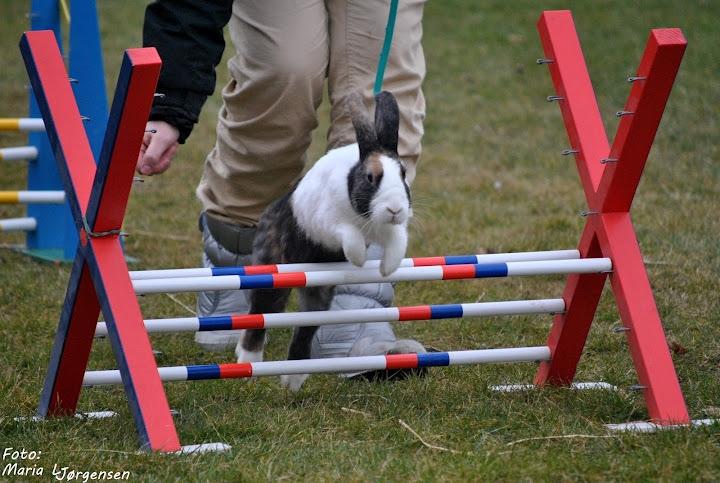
394	212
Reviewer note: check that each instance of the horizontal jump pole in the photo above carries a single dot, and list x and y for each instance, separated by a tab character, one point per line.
18	224
19	153
364	275
22	124
333	365
321	267
304	319
34	197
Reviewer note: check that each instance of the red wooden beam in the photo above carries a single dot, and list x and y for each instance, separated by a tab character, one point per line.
578	106
138	77
73	342
570	329
44	61
636	132
636	304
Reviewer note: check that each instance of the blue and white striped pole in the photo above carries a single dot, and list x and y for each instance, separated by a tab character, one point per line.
341	277
304	319
333	365
320	267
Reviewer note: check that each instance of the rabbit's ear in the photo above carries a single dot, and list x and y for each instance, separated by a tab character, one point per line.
364	131
387	121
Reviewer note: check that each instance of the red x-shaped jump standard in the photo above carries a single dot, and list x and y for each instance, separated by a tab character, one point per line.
610	176
98	197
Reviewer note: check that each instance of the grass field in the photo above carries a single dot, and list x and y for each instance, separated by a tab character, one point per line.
491	179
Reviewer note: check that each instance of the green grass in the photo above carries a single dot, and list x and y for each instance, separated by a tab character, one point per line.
491	178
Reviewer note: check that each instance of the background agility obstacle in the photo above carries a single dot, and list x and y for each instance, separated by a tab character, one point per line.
48	225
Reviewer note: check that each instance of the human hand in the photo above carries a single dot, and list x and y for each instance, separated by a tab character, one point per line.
158	148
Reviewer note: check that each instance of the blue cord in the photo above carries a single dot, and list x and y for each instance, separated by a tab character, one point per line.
385	52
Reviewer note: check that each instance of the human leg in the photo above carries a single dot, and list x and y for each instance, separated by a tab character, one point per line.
264	126
263	132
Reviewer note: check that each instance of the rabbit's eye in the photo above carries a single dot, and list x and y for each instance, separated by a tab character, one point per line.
370	177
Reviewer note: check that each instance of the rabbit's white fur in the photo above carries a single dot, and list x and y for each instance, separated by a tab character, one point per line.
321	205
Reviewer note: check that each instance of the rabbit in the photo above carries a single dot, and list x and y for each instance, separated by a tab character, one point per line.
353	196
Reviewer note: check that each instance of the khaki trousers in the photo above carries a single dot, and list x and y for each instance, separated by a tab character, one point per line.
284	52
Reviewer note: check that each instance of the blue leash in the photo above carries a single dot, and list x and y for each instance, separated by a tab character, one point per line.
385	52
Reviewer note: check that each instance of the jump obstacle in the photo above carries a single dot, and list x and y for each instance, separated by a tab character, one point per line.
608	248
48	226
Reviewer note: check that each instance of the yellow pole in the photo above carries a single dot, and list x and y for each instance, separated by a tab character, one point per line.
9	124
9	197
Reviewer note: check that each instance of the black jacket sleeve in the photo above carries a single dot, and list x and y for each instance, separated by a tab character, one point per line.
188	35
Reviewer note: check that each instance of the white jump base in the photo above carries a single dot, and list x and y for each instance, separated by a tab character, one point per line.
202	448
580	386
88	415
650	427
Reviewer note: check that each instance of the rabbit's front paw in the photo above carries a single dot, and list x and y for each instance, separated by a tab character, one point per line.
355	250
394	251
389	264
